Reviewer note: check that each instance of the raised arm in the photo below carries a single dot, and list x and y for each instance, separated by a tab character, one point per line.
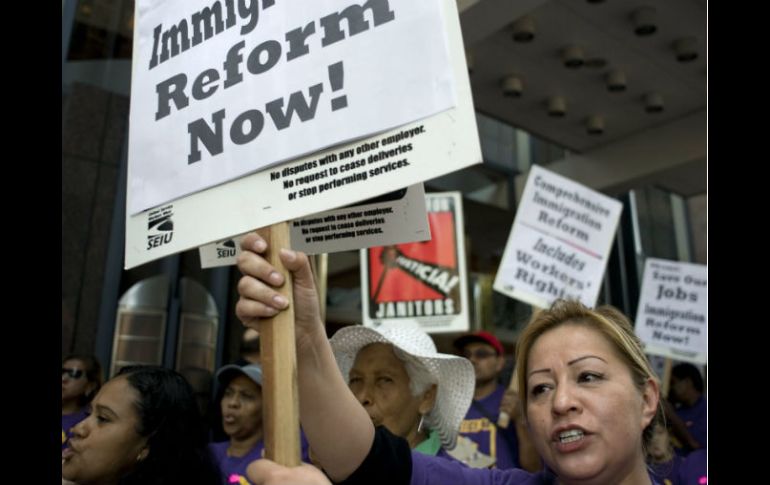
337	427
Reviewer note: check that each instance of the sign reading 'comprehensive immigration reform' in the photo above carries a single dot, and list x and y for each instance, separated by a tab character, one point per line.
559	243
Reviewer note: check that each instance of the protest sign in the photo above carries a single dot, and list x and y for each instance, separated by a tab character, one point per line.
424	282
559	243
672	317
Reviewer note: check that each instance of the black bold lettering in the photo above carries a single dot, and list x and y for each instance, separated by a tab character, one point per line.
203	19
354	15
204	79
298	104
212	140
256	123
166	94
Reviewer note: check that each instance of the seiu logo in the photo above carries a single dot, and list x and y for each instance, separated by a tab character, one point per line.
160	227
226	249
225	253
160	239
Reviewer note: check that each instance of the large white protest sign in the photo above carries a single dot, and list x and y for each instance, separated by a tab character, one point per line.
331	178
672	318
221	88
559	243
392	218
423	282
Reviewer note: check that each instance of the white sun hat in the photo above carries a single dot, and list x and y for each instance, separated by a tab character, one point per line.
454	374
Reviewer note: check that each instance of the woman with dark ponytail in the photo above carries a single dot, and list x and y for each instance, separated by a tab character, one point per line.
143	428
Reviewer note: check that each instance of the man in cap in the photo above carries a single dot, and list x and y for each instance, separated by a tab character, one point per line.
486	354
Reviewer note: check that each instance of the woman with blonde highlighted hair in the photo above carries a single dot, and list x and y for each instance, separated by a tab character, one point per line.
589	396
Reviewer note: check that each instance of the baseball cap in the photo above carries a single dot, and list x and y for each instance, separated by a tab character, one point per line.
480	336
228	372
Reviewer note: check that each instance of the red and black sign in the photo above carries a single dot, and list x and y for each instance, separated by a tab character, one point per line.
417	279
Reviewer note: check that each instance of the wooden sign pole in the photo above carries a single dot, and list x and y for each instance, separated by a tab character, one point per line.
280	396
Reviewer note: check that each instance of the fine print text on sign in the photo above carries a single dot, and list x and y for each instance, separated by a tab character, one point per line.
389	219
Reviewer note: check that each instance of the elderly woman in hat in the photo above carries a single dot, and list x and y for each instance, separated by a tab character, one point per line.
404	384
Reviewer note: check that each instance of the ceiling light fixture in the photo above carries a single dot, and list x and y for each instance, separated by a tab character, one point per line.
595	125
512	86
616	81
524	29
644	21
653	103
557	106
573	56
686	49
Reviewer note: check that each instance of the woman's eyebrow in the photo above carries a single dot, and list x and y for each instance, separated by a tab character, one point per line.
575	361
106	409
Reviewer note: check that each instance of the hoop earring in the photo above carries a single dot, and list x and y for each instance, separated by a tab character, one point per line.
419	425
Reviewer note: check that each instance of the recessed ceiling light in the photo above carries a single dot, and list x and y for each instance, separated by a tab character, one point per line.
616	81
524	29
653	103
557	106
595	125
512	86
573	57
644	21
686	49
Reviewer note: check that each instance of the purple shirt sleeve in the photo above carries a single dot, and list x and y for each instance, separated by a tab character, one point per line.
693	470
429	470
695	419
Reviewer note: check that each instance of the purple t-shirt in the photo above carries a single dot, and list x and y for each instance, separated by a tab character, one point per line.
427	470
668	472
501	444
233	468
433	471
695	419
67	422
693	470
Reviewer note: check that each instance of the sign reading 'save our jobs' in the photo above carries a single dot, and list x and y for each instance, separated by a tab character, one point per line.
327	178
223	88
559	243
672	319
